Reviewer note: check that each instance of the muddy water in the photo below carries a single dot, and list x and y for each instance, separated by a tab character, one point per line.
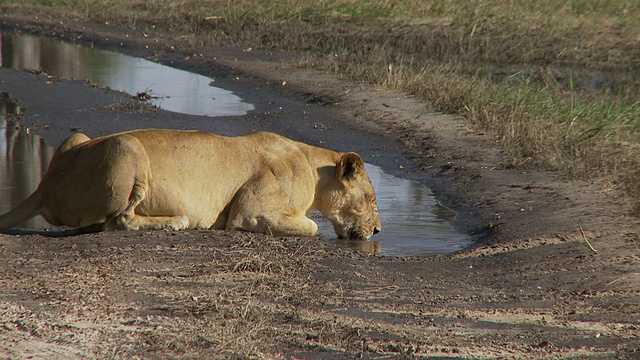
23	161
414	224
168	88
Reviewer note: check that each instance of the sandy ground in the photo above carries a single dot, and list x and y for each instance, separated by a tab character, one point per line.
529	288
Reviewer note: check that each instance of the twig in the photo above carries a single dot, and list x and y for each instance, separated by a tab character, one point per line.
585	238
619	279
246	308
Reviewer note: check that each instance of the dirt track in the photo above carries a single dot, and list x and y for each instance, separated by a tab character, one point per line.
530	288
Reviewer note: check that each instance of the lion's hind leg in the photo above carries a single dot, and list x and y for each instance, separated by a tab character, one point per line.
128	181
140	222
128	219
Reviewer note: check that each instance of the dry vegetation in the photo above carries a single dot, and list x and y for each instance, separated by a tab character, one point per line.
555	80
198	295
214	294
232	298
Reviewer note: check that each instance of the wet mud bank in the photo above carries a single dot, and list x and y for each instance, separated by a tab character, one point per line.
530	288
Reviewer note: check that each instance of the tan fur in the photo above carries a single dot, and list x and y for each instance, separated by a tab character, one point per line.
153	179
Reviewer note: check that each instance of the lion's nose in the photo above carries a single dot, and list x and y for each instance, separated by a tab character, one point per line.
375	230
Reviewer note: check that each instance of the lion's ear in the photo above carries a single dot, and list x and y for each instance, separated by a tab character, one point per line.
349	167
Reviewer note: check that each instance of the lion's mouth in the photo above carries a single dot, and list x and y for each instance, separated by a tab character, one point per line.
354	234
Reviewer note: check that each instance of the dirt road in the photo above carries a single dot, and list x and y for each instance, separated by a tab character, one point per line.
530	288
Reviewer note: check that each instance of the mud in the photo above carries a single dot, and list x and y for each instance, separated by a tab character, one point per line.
529	287
168	88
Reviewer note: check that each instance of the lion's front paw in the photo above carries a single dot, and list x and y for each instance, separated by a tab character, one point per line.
178	223
184	221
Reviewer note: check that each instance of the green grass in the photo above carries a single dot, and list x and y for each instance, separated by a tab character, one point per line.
516	67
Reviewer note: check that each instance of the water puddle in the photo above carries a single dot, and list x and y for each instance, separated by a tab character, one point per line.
413	222
24	159
170	89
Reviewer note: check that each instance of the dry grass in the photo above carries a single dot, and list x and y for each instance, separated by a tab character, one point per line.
229	296
184	295
258	296
556	80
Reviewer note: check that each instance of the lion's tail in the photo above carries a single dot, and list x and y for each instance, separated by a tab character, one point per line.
25	211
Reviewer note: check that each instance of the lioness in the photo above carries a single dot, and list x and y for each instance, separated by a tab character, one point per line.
155	179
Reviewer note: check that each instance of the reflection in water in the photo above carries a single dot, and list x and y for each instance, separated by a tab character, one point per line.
24	159
171	89
413	223
371	247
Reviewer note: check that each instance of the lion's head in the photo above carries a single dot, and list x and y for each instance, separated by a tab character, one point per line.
350	204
